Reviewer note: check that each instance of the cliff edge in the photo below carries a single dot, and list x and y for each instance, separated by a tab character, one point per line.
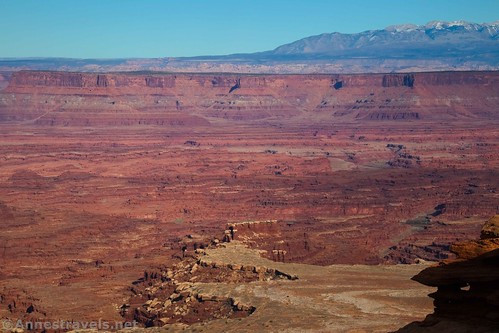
109	99
467	296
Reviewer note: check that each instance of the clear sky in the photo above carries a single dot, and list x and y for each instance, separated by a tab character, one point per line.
170	28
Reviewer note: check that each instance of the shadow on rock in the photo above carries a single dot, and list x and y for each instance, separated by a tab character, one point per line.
467	296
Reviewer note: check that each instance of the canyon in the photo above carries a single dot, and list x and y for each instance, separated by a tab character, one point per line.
105	177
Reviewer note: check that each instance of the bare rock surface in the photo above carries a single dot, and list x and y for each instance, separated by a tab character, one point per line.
294	297
467	298
491	229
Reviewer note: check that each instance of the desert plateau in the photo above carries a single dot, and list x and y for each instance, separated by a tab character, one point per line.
244	202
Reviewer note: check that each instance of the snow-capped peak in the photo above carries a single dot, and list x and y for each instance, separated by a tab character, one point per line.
402	28
440	25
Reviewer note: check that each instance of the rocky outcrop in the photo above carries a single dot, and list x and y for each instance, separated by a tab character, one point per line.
102	81
23	306
158	299
489	241
170	295
491	229
160	82
402	158
467	298
397	80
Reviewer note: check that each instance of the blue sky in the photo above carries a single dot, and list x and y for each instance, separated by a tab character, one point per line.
161	28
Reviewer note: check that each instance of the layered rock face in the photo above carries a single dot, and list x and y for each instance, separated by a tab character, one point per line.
467	298
83	99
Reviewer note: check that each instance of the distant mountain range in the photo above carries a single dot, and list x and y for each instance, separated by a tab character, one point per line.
435	39
457	45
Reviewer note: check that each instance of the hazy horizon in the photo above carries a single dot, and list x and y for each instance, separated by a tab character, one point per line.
154	29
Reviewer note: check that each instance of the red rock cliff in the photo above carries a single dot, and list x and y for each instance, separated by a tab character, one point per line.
92	80
60	97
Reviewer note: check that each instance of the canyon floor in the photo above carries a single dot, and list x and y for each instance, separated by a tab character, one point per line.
331	182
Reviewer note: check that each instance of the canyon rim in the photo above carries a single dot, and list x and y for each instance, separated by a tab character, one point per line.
343	182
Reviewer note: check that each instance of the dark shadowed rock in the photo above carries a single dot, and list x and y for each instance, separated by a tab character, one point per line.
467	298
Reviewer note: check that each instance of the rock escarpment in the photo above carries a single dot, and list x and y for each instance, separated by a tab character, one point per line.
467	298
406	80
91	99
27	79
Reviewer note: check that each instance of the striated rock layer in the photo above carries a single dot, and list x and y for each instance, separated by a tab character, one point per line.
104	176
84	99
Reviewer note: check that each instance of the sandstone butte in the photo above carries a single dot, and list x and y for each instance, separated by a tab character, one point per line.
110	182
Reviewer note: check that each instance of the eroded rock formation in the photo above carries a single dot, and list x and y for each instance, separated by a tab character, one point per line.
169	296
88	99
467	296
